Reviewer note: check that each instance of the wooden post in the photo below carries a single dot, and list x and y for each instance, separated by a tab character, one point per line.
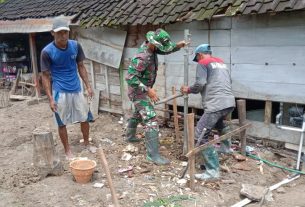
177	133
45	158
190	125
268	112
241	107
108	175
34	63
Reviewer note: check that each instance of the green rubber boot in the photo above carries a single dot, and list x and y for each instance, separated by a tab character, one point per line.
225	145
152	148
211	164
131	131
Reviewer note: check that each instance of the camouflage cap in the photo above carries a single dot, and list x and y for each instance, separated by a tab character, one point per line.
161	39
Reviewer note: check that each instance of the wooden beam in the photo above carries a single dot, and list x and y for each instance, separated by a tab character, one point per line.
241	107
107	86
191	161
15	83
33	54
176	121
268	112
215	141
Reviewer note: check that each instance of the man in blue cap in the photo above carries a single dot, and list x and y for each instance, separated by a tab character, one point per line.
213	81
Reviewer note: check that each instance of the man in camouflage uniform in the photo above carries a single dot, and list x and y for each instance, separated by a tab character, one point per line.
141	77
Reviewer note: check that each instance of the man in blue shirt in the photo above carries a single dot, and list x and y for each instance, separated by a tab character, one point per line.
61	62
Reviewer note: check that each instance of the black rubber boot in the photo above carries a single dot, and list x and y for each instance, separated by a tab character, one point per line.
152	148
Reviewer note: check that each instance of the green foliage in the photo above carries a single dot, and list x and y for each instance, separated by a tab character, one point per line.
168	202
2	1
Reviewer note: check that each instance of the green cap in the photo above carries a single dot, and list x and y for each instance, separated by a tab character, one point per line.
161	39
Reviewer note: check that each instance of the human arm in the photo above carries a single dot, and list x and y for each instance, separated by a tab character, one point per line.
82	70
176	46
201	80
45	63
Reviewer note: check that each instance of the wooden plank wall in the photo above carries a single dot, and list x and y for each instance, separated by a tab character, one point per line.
107	80
267	57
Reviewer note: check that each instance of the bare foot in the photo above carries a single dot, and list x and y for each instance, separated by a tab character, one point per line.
69	156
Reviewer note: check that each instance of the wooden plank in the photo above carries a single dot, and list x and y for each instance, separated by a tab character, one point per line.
107	87
176	123
92	75
241	106
268	112
270	36
219	51
277	92
219	37
287	73
191	140
261	55
215	141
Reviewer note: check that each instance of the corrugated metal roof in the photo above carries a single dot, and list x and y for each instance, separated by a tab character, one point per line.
94	13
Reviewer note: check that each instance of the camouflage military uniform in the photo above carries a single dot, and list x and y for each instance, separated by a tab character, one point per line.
142	74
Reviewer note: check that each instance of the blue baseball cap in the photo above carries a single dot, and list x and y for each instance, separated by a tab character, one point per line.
203	48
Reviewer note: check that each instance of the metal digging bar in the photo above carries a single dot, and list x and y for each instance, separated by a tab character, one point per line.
186	80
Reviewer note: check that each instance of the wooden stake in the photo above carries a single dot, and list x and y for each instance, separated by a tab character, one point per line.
268	112
241	107
190	124
177	133
107	171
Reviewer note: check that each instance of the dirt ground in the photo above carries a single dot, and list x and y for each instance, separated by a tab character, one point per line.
20	184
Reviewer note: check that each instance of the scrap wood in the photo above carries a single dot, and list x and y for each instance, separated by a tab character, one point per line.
215	141
109	179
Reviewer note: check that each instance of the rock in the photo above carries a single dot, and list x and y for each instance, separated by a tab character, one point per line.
126	156
130	148
239	157
253	192
98	185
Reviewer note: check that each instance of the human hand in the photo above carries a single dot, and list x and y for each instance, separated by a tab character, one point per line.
182	43
53	105
152	95
90	92
184	89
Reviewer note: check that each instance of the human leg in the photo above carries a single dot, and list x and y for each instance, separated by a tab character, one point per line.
225	145
84	126
209	155
62	131
132	127
151	127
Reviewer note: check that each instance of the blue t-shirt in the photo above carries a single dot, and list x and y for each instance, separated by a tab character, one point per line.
62	64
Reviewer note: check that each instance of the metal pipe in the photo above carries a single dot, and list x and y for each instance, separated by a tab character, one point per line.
301	144
186	80
302	130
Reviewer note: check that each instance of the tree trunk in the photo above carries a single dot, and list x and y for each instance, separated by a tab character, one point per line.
45	157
